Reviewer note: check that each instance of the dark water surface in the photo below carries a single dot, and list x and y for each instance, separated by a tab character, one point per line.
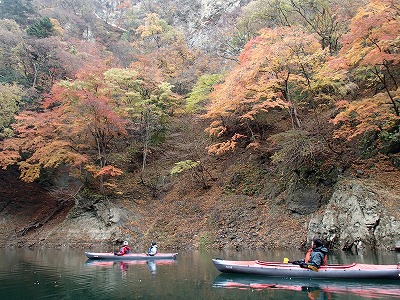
67	274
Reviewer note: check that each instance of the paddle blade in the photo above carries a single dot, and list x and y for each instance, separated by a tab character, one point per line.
286	260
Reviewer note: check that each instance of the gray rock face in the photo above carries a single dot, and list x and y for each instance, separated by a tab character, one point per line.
202	21
354	218
304	200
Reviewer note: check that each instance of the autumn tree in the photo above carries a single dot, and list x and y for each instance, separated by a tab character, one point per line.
254	16
79	16
155	32
275	74
183	65
19	10
320	17
37	63
371	47
370	56
328	20
77	127
165	48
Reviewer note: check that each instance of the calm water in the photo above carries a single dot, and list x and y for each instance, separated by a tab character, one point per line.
63	274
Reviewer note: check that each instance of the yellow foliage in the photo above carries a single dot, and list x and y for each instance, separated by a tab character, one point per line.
29	172
8	158
152	26
374	35
57	26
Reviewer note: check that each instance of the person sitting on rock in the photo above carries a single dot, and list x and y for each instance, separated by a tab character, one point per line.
125	249
315	257
153	249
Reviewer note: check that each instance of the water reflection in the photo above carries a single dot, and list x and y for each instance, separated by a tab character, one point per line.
152	266
65	274
124	265
315	289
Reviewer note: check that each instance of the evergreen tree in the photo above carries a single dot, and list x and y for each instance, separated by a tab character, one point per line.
42	28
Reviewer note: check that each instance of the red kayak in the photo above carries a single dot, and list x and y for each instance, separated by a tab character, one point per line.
129	256
277	269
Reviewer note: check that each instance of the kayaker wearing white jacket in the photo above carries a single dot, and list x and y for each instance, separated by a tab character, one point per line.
153	249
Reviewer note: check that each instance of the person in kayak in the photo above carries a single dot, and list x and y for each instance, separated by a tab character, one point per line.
125	249
315	257
153	249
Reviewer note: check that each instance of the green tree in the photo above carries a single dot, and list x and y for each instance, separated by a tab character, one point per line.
42	28
148	103
14	54
199	94
10	99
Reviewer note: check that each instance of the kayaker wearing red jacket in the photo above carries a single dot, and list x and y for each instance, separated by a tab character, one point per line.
125	249
315	257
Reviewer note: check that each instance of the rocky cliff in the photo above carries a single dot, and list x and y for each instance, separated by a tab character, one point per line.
360	214
203	22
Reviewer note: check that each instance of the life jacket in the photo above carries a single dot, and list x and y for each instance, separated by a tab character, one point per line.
308	254
124	250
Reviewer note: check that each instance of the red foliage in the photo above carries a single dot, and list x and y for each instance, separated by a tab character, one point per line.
77	126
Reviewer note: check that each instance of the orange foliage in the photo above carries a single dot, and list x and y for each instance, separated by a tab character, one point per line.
268	65
371	48
77	126
147	69
105	171
368	115
374	35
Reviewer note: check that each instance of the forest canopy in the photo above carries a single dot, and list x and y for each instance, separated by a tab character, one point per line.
297	81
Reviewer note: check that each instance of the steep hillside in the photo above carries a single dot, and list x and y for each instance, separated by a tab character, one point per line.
178	211
242	205
305	123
